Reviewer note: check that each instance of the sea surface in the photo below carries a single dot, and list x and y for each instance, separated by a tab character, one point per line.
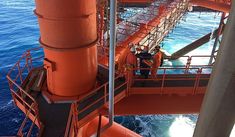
19	31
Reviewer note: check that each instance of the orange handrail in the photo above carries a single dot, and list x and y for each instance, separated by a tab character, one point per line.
74	112
197	70
141	31
21	129
16	79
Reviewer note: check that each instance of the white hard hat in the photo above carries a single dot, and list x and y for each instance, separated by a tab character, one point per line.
132	49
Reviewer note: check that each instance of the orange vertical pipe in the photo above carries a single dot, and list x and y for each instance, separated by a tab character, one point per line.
68	35
116	130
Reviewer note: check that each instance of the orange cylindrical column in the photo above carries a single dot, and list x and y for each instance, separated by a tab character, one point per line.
68	36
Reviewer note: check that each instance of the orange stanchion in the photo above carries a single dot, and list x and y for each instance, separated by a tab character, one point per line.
69	40
116	130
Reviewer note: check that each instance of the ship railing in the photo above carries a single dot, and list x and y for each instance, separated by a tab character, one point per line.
71	127
191	61
21	132
89	105
164	74
103	51
141	26
17	80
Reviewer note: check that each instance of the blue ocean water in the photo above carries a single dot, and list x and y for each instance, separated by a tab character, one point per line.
19	32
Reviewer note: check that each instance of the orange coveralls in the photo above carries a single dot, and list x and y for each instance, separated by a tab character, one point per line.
131	62
156	63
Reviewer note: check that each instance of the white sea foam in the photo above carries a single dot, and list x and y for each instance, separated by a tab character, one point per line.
233	132
181	127
184	127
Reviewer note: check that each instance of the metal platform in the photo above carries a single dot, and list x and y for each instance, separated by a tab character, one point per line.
26	90
52	116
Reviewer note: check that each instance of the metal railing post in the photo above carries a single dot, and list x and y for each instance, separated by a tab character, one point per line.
112	44
217	38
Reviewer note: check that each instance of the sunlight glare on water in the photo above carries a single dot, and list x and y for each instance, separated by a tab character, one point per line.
233	132
181	127
184	127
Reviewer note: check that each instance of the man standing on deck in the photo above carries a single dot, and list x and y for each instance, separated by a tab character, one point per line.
145	62
157	61
131	63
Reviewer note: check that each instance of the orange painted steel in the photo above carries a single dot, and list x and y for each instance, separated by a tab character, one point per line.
223	7
162	78
117	98
159	104
21	132
125	104
116	130
192	75
122	48
69	39
16	79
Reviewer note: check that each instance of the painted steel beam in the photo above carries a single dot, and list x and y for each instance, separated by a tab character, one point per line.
192	46
219	6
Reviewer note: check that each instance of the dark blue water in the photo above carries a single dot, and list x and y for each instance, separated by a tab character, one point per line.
19	32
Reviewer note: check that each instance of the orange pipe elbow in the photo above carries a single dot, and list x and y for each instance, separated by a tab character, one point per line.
116	130
68	35
212	5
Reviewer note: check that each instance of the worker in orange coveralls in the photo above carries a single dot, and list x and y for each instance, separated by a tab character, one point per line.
131	63
157	61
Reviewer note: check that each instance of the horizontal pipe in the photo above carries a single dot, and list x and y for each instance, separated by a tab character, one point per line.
212	5
116	130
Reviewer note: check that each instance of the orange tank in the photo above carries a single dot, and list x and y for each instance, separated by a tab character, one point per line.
69	40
